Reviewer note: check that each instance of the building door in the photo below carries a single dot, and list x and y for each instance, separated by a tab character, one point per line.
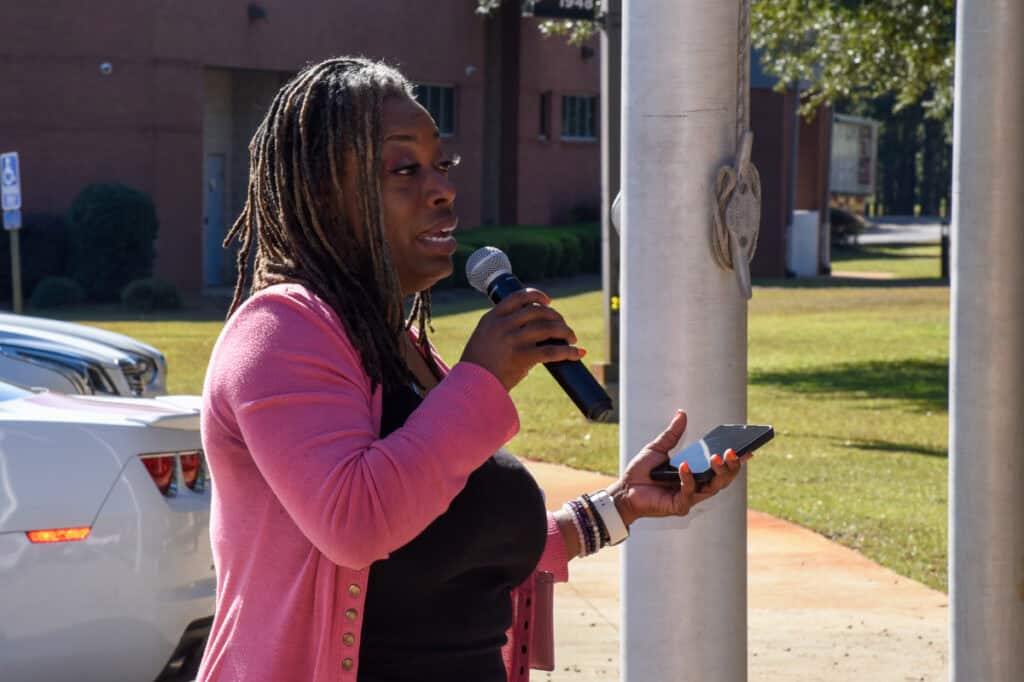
213	222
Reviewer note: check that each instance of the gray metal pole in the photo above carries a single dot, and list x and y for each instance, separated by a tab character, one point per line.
611	141
684	333
16	299
986	435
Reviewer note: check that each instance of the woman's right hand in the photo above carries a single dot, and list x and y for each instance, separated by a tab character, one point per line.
505	340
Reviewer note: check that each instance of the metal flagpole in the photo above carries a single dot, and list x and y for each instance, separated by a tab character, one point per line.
986	434
684	331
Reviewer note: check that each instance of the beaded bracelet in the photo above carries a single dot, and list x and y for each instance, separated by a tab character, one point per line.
595	528
592	508
593	541
583	527
591	516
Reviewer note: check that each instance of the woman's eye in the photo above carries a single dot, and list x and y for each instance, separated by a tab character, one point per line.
407	171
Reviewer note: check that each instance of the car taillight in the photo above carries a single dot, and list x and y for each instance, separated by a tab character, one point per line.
161	468
58	534
192	469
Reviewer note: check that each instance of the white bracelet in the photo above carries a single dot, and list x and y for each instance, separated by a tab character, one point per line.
567	507
605	505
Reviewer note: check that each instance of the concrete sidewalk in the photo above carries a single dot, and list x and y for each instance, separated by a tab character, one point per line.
816	610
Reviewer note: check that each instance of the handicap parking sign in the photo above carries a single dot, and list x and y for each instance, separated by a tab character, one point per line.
10	181
12	220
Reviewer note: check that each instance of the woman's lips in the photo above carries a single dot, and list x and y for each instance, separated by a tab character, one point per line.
440	240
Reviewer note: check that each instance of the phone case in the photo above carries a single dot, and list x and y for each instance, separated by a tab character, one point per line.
742	438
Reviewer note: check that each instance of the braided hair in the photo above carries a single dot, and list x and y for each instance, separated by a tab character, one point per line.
294	226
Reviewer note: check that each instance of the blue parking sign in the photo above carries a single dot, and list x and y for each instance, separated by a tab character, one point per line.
12	220
10	182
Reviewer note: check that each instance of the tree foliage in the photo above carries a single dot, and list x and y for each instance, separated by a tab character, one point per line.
576	32
859	50
842	50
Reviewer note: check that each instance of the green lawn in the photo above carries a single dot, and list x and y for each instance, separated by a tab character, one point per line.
896	260
851	373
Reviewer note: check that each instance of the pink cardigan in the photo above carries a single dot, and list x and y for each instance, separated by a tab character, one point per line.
306	495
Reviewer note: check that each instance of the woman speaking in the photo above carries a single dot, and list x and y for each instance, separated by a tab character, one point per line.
366	524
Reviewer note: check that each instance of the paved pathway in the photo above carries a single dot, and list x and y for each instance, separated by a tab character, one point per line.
901	230
817	611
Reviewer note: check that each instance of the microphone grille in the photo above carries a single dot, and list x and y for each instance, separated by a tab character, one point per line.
484	265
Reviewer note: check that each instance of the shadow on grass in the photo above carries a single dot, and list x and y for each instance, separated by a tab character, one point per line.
831	282
883	252
922	383
888	446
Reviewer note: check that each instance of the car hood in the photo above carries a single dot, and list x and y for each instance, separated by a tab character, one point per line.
81	331
11	335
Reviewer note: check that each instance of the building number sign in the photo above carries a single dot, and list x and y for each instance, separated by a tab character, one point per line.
562	9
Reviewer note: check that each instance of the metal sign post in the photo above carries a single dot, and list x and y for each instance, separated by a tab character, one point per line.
10	192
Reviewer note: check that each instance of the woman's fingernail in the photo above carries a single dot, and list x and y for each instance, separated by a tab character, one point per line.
685	467
582	351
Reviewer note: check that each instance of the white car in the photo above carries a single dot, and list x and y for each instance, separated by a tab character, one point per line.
75	358
106	571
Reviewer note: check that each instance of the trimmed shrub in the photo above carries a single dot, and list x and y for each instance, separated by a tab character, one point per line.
532	259
151	294
536	252
44	252
54	292
571	258
589	236
112	231
586	212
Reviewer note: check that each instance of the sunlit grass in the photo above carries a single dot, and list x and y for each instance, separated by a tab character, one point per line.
900	261
852	377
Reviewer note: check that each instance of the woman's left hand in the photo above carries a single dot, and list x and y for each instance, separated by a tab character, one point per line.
636	495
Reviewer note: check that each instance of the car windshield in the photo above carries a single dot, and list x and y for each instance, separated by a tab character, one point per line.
12	392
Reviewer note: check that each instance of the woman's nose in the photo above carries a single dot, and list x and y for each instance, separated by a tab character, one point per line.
442	190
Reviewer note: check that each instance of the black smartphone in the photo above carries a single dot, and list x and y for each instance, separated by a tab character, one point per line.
742	438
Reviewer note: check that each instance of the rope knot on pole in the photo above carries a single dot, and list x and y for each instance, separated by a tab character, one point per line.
737	214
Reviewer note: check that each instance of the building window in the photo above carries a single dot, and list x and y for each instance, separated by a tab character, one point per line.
544	130
579	118
439	101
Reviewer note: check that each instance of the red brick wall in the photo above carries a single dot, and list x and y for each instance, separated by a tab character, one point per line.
771	119
142	124
555	175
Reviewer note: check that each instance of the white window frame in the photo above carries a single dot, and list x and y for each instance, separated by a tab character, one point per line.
432	90
544	105
570	109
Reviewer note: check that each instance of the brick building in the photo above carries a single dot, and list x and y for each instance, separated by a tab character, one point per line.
165	96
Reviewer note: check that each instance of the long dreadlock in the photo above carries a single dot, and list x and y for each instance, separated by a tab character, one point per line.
294	217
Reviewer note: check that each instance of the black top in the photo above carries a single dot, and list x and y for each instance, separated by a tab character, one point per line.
438	608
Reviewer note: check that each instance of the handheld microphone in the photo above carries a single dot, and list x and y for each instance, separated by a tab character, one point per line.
489	272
